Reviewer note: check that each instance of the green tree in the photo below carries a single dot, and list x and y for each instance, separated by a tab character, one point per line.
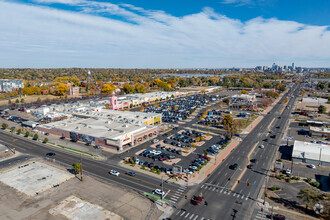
322	109
308	196
226	101
76	168
19	131
4	126
22	100
139	88
229	124
128	88
17	101
12	129
27	134
35	137
108	88
45	140
9	101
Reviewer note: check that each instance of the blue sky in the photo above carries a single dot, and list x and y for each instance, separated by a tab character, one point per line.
164	33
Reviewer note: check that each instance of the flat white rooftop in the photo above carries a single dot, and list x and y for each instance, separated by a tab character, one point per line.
306	150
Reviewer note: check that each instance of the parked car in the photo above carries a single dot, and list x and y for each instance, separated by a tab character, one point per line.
262	146
288	171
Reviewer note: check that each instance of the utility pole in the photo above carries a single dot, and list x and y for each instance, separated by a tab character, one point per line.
81	169
162	188
12	138
320	156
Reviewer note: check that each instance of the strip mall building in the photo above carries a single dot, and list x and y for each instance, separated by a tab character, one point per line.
103	132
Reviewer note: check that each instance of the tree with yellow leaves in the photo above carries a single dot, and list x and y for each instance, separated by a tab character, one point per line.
108	88
244	92
61	89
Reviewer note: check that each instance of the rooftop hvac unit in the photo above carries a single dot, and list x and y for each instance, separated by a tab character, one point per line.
77	128
111	130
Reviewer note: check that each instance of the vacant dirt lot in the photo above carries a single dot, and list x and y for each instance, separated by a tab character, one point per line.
16	205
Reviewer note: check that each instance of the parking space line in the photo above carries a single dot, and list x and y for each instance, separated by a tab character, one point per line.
174	199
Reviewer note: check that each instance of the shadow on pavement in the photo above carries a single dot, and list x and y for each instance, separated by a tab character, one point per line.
293	205
286	152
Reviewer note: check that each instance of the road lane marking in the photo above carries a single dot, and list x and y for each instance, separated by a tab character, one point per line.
202	186
192	215
221	191
180	190
182	213
242	196
196	217
237	195
187	215
174	199
213	189
234	194
229	192
175	196
178	212
166	194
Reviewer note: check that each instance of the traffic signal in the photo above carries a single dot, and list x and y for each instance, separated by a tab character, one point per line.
238	181
228	179
247	184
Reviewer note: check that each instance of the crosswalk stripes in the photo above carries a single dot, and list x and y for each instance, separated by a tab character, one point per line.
188	215
261	215
177	194
220	190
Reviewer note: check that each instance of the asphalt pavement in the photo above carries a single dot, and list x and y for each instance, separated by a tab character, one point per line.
237	203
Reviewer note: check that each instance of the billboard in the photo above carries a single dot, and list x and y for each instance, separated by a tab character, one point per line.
177	169
278	165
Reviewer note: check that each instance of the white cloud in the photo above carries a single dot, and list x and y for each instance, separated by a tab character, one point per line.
39	36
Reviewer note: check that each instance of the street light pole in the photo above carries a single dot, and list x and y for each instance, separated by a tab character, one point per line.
162	189
12	138
81	169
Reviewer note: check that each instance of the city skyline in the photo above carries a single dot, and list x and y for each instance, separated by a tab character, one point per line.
229	33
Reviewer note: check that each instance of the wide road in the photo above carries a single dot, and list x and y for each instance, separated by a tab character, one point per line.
140	182
238	202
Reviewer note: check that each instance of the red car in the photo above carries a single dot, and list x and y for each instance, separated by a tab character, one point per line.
162	158
204	156
196	200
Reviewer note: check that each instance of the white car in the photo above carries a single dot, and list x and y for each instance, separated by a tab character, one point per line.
311	166
156	140
288	171
153	151
262	146
157	152
114	172
159	192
